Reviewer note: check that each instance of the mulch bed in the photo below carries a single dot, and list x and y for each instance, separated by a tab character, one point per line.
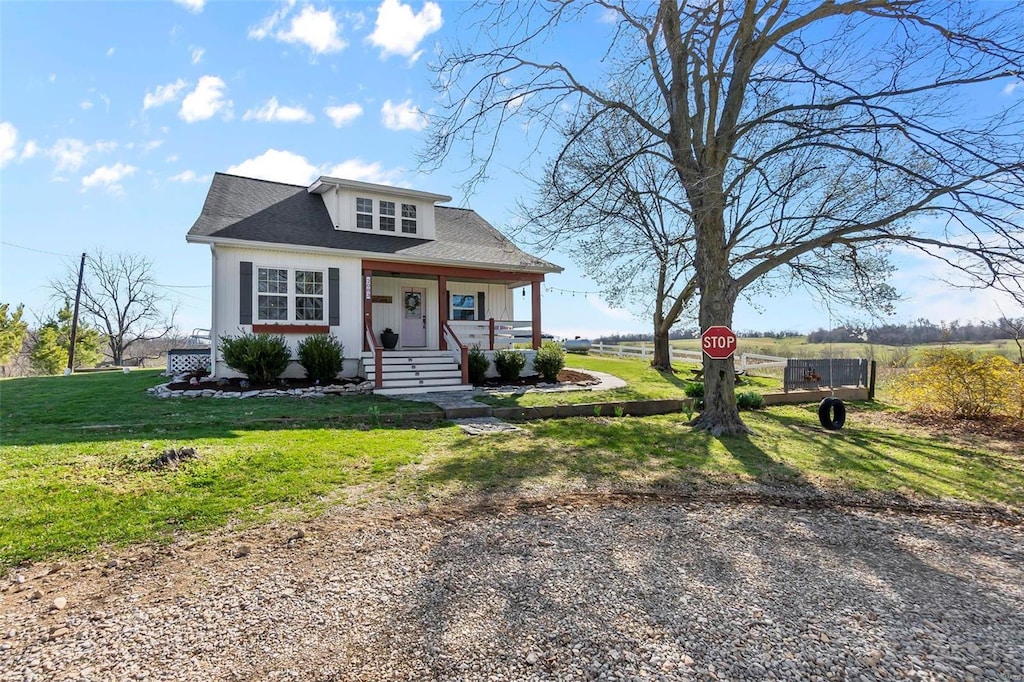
566	376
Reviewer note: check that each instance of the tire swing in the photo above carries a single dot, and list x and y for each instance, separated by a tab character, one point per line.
831	410
832	413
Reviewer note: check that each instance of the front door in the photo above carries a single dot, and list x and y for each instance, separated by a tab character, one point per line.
414	318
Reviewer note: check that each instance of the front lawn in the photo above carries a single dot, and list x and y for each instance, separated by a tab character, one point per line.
75	461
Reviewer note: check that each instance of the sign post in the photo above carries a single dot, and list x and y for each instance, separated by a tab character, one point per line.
718	342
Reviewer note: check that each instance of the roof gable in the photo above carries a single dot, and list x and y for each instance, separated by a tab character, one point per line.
248	209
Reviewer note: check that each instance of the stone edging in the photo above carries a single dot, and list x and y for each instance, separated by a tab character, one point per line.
363	387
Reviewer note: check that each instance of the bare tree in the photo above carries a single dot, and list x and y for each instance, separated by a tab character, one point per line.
621	211
809	137
121	297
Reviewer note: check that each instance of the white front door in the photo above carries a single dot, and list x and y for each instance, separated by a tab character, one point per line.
414	318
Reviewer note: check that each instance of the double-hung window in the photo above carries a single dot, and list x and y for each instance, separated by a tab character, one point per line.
409	218
284	295
364	213
387	216
463	307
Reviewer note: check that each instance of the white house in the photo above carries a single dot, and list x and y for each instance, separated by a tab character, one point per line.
353	259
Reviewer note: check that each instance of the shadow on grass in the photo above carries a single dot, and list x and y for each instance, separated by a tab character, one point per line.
619	451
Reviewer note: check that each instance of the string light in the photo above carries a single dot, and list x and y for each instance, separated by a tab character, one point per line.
571	292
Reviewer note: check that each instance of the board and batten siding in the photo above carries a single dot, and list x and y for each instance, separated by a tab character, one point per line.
341	205
227	304
497	297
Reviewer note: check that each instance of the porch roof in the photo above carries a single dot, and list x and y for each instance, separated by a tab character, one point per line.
248	209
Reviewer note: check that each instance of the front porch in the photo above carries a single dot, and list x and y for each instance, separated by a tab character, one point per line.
443	311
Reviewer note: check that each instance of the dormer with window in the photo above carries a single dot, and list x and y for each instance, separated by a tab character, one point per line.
378	209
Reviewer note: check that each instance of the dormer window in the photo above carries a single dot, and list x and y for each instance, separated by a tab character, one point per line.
387	216
409	218
364	213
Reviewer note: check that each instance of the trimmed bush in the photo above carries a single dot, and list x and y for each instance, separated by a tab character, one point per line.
749	400
478	365
509	364
322	356
260	357
549	361
694	389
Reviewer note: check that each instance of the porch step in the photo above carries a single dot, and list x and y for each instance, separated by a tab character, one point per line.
414	372
423	389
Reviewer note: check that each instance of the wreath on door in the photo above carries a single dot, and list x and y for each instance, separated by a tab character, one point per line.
412	301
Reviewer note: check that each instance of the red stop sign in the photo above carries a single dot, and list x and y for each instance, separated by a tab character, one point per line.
718	342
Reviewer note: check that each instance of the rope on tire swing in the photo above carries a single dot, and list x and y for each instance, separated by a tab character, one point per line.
831	410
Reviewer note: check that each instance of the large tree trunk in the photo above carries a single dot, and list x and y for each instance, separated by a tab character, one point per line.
662	359
718	293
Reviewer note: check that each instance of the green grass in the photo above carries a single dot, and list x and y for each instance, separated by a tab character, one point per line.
75	474
643	383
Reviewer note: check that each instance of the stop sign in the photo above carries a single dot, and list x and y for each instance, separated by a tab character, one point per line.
718	342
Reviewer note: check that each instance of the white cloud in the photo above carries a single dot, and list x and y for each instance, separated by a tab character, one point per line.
274	112
205	101
53	78
70	153
194	6
86	104
267	26
404	116
614	313
8	142
163	94
106	102
278	166
110	51
172	158
357	169
108	176
1012	85
400	31
151	145
188	176
197	54
317	30
30	150
344	114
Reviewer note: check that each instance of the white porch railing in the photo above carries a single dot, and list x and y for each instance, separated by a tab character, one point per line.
459	351
748	362
491	334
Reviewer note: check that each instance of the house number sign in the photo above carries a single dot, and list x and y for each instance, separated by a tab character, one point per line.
369	289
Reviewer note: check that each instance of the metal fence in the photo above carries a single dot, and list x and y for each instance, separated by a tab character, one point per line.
813	374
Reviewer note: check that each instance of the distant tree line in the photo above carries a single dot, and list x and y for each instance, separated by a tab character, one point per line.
920	331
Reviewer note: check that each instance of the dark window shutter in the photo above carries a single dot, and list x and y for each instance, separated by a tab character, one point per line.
448	297
481	308
245	293
334	297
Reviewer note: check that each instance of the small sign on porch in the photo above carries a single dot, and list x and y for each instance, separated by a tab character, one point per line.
380	299
369	287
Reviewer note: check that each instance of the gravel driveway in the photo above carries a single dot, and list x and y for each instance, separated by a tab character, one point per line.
573	589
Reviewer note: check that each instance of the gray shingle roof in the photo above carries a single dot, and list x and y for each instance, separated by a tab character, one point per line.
272	212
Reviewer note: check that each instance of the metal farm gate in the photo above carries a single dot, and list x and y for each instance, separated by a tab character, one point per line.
815	374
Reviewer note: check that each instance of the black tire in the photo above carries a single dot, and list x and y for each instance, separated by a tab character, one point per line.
832	413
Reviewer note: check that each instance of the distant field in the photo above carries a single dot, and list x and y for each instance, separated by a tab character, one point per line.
797	347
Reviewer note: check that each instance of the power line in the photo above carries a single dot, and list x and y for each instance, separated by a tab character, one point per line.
29	248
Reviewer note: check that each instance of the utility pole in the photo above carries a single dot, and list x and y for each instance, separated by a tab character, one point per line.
74	320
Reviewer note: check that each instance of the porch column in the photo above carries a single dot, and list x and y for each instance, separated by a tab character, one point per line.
535	285
442	310
367	306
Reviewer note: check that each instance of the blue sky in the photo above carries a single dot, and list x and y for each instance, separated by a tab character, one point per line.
113	117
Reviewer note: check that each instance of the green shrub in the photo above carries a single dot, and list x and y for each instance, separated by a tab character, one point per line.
962	384
694	389
478	365
509	364
260	357
749	400
549	361
322	356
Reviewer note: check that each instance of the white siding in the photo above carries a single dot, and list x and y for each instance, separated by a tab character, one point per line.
341	204
226	304
497	297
